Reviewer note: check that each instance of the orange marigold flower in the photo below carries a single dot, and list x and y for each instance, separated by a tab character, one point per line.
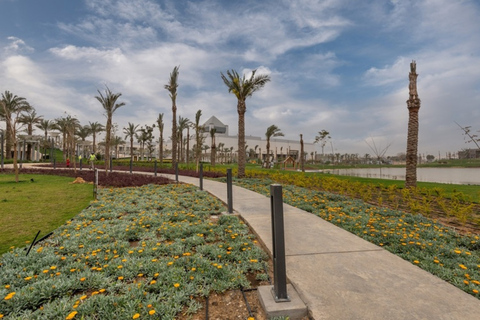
136	316
151	312
176	285
9	296
71	315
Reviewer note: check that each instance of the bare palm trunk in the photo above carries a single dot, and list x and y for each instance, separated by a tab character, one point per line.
188	145
174	135
108	128
302	160
267	161
241	108
413	104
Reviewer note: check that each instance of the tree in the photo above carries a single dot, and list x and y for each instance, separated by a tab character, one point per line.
213	147
110	105
144	137
30	119
183	124
12	108
71	125
199	138
272	131
160	125
472	137
302	154
10	104
171	87
95	128
83	132
322	138
243	88
413	104
45	126
130	132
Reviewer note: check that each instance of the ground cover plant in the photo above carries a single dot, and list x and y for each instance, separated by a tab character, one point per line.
431	246
37	202
145	252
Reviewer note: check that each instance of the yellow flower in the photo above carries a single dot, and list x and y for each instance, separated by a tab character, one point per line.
83	297
28	278
136	316
101	290
151	312
9	296
176	285
416	261
475	291
71	315
462	266
120	278
466	282
53	267
82	279
153	281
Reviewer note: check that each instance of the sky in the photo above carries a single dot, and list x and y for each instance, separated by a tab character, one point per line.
335	65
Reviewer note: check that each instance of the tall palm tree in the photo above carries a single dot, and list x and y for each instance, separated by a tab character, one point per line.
161	126
61	124
323	137
172	86
413	104
302	154
243	88
199	138
183	124
130	132
30	119
11	104
71	126
95	128
272	131
46	125
110	105
213	147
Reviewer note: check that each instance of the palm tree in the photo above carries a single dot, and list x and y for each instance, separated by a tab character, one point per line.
172	86
83	132
322	137
130	132
12	108
10	105
183	124
29	119
199	137
302	154
116	141
110	105
413	104
243	88
213	147
160	139
71	126
45	126
95	128
272	131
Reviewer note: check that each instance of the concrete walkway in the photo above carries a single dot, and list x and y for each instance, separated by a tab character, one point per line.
340	276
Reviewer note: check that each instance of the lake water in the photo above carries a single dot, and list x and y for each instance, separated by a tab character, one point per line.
440	175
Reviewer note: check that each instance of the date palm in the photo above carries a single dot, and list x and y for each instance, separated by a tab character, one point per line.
213	147
95	128
110	105
183	124
243	88
130	132
161	126
10	105
171	87
413	104
199	137
46	125
83	132
30	119
272	131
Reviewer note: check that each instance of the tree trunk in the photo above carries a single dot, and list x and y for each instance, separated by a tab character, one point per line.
241	108
267	161
108	128
188	145
174	135
413	104
302	158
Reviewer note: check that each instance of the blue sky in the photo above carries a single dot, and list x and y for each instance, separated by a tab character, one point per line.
338	65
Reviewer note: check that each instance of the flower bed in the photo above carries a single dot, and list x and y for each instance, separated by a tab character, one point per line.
134	253
427	244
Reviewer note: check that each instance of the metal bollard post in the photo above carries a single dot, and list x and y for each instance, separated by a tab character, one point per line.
155	167
131	165
95	185
111	164
81	163
54	163
176	172
278	233
200	176
229	191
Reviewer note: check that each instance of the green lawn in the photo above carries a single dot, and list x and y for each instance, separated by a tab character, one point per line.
44	204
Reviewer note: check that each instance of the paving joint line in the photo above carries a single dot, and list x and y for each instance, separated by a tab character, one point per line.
333	252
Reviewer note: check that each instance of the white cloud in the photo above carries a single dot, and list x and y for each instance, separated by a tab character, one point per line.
17	46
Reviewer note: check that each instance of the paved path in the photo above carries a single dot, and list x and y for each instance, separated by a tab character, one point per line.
341	276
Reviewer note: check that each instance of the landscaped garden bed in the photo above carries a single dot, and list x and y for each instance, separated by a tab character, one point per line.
140	252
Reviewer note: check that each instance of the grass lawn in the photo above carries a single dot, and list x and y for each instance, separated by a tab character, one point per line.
44	204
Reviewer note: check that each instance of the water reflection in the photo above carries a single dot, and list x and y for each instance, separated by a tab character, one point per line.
440	175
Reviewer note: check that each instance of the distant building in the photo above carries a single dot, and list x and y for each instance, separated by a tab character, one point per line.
469	154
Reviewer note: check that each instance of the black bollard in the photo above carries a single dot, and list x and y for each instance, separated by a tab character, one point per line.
229	191
200	176
111	164
278	233
81	163
155	167
54	163
176	172
131	165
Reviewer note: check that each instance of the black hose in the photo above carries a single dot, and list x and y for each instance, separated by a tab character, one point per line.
246	302
43	238
33	242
